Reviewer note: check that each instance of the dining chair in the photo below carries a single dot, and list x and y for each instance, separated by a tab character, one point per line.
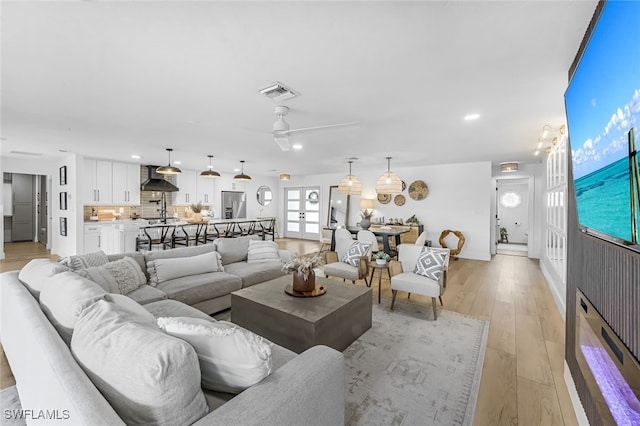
369	237
422	238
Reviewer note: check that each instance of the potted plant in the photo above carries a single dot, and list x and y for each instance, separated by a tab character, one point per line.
366	216
503	234
304	278
413	220
196	210
381	258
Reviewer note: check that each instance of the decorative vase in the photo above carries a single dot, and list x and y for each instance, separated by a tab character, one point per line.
365	223
381	261
302	285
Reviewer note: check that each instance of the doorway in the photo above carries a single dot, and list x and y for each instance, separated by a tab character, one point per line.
302	212
512	216
27	213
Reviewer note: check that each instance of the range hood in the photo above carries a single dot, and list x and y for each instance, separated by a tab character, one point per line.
157	182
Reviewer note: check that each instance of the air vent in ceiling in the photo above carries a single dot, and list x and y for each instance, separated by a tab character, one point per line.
278	92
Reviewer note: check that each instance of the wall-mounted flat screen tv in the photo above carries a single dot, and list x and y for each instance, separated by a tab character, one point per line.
603	115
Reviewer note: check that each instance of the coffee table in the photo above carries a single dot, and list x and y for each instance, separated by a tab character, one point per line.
335	319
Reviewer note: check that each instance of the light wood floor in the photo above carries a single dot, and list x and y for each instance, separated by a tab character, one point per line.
522	377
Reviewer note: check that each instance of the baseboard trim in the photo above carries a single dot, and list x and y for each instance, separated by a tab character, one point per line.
575	399
557	297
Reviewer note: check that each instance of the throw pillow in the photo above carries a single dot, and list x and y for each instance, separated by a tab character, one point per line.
120	276
262	251
231	358
64	296
161	270
430	262
234	250
88	260
148	377
33	275
355	252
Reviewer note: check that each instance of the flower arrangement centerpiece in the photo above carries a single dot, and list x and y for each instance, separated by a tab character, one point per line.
366	213
381	258
194	212
304	279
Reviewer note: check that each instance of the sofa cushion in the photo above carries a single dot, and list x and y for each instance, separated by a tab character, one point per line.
255	273
64	296
231	358
342	270
173	308
87	260
33	275
262	251
131	305
147	294
355	252
120	276
161	270
197	288
414	283
430	262
233	249
147	376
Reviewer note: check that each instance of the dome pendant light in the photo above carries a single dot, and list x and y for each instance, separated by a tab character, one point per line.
389	182
168	169
350	185
210	173
242	176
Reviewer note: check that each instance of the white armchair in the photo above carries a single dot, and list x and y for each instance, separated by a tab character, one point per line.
403	277
335	267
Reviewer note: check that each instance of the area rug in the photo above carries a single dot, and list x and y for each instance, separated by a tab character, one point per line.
410	370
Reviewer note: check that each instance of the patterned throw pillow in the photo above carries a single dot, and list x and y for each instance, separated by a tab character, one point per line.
355	252
84	261
430	262
120	276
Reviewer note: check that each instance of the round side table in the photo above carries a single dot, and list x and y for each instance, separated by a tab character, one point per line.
380	268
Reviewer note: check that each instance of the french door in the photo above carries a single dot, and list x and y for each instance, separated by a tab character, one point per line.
302	207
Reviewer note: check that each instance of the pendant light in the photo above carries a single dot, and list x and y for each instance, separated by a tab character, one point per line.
168	169
350	185
210	173
242	176
389	182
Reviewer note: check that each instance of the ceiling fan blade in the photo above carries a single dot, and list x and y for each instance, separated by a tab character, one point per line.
282	141
288	132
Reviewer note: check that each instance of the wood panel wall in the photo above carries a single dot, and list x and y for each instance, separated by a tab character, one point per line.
608	275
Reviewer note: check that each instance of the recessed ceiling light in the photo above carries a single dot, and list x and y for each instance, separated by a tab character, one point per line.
136	156
470	117
236	170
177	162
296	146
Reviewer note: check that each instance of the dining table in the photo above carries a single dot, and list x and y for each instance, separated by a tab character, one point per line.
386	233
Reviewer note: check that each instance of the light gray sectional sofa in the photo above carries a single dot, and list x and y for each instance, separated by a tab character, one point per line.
91	357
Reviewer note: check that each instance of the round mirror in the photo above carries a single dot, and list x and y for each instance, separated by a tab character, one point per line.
264	195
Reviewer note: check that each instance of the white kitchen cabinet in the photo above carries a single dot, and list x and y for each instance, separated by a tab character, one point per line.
126	184
187	182
97	182
92	238
206	190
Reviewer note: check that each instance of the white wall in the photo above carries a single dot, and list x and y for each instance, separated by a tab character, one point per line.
459	199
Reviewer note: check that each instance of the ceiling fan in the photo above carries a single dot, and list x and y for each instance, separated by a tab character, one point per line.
282	130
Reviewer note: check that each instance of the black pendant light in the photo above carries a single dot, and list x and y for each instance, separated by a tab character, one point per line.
242	176
210	173
168	169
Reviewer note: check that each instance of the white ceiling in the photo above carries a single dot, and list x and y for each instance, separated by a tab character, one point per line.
116	78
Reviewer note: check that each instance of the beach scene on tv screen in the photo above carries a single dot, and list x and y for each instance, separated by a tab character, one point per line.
603	106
